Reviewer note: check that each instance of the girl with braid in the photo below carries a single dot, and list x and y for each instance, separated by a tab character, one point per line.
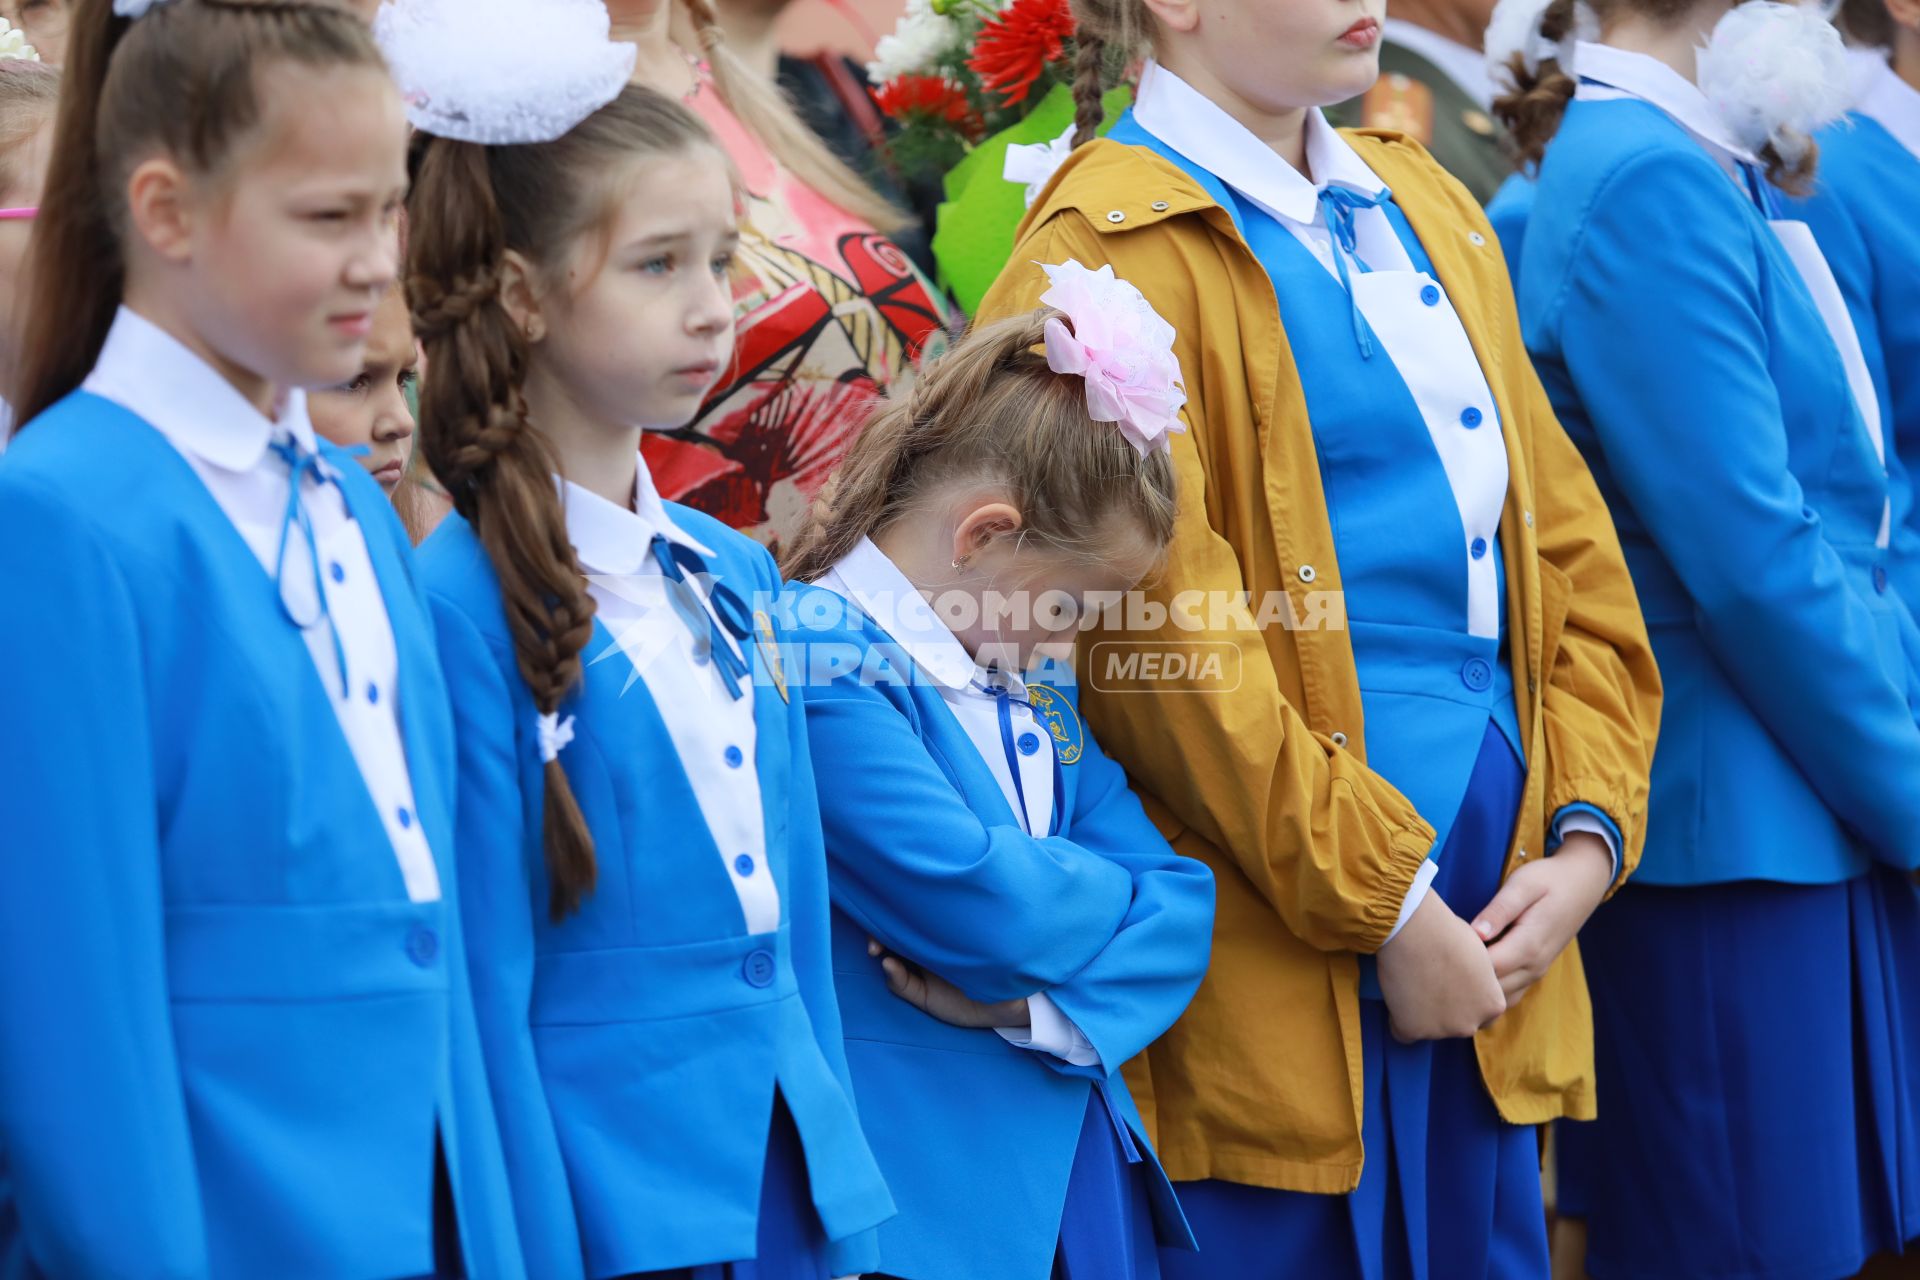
1755	991
239	1039
648	899
831	314
1421	759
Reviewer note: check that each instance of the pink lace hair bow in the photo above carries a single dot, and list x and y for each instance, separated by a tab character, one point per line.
1113	338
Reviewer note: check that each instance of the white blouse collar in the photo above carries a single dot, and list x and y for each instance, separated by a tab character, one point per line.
1638	75
1191	123
149	372
1895	105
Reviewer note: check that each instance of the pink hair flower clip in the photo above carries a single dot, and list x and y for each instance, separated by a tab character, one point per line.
1113	338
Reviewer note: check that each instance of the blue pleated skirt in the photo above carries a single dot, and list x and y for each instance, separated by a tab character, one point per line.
1106	1226
1448	1189
791	1243
1758	1048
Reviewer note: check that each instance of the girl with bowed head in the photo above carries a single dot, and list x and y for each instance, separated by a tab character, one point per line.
1420	758
831	314
1755	995
642	872
1009	928
233	983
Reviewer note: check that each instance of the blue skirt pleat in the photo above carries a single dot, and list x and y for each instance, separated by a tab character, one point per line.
1757	1045
1106	1226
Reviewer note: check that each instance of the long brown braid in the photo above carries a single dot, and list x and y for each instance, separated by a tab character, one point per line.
470	206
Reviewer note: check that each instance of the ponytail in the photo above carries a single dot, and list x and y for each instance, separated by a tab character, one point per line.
75	273
495	466
183	79
1533	108
990	409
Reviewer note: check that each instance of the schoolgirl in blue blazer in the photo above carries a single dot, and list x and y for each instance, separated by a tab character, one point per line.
1861	211
1752	988
238	1040
1009	927
648	901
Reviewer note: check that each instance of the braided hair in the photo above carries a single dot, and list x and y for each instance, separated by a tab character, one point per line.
470	205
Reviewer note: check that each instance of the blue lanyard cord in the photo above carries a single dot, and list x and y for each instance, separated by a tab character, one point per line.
674	560
1338	204
1003	702
301	463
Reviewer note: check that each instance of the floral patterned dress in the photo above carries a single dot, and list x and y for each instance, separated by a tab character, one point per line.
831	315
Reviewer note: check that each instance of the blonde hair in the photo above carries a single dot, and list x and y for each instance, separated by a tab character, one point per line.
990	408
763	108
29	94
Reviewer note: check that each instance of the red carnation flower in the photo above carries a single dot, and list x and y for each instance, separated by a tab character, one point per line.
1015	48
930	97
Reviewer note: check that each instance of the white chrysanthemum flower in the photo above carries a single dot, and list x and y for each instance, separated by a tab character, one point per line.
1775	73
916	45
13	43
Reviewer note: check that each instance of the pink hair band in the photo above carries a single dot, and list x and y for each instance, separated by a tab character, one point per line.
22	214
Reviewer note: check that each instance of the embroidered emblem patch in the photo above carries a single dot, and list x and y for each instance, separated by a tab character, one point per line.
1062	721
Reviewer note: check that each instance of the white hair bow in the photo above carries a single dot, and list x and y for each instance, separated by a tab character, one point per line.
1775	73
463	80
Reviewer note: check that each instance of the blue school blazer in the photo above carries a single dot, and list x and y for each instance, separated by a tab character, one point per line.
635	1047
1685	357
229	1036
1508	211
977	1137
1865	212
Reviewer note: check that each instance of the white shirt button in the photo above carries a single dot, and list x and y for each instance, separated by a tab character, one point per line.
1307	573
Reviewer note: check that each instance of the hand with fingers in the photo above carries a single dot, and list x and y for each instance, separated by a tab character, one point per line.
934	995
1541	907
1437	977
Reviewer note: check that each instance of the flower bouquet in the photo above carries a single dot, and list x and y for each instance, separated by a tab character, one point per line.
981	93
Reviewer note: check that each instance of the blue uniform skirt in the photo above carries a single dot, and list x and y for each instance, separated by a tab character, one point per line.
1106	1227
1448	1189
791	1244
1106	1224
1758	1047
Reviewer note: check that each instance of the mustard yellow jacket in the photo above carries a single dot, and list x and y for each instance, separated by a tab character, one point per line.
1260	1081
